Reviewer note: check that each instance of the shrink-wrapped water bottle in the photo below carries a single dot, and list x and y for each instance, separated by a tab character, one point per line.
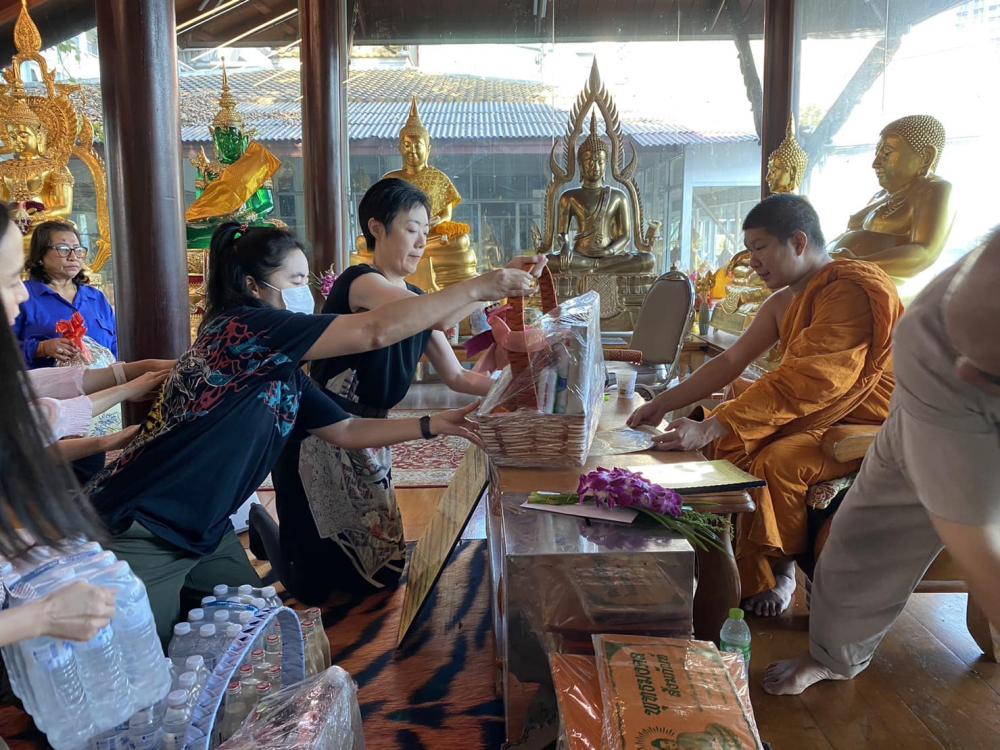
144	731
181	644
102	671
176	720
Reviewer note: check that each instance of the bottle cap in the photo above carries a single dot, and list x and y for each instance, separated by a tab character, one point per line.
258	603
221	615
263	687
233	630
257	654
736	614
245	617
194	663
268	592
187	680
246	670
196	615
182	628
272	639
245	590
234	687
207	631
220	590
177	698
206	600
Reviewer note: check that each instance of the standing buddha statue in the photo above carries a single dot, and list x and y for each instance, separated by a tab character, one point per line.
905	225
448	255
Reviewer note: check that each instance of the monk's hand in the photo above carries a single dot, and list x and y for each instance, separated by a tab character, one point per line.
651	414
533	264
688	435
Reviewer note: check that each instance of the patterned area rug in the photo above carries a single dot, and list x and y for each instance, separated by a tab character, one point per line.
425	463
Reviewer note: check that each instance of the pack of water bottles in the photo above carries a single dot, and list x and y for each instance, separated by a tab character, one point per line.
75	691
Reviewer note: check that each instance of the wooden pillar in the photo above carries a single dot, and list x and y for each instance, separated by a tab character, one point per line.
324	54
779	66
138	56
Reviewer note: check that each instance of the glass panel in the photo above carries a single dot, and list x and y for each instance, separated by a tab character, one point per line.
865	64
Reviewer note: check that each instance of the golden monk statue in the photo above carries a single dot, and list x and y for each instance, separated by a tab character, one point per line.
786	166
600	214
448	256
905	225
42	132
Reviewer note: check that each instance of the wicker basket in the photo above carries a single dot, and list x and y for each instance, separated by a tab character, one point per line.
523	435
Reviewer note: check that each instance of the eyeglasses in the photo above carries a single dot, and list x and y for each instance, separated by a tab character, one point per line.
65	250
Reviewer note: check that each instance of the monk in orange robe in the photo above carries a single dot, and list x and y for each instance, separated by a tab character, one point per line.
834	321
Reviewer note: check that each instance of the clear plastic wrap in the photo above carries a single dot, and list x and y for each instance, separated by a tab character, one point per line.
544	409
679	693
578	694
318	713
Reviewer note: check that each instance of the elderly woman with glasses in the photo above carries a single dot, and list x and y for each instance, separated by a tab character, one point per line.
58	287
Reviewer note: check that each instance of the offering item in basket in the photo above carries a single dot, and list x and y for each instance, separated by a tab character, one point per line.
544	409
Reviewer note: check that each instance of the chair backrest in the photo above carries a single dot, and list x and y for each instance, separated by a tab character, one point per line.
664	319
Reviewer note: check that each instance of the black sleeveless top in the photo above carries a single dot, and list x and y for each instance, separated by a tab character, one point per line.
370	383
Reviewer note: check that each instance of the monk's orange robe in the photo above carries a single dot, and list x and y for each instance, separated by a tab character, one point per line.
836	369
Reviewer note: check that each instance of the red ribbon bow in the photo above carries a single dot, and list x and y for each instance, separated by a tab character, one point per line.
73	330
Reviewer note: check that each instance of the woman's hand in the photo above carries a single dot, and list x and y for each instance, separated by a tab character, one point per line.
145	387
118	440
76	612
59	349
454	422
533	264
504	282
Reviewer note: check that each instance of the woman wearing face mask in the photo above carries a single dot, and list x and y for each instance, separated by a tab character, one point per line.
340	527
233	400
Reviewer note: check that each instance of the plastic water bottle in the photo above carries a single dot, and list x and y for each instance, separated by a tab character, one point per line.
207	645
135	631
65	703
274	677
196	664
735	637
102	672
188	682
181	643
314	614
272	649
234	711
144	730
176	720
270	596
113	739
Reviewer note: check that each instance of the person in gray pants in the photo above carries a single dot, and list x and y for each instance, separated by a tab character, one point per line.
930	480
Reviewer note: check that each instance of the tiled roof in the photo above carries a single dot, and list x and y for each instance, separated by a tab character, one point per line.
452	107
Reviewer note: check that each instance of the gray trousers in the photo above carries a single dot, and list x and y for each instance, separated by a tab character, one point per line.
882	540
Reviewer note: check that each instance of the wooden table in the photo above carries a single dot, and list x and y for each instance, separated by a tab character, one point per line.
718	579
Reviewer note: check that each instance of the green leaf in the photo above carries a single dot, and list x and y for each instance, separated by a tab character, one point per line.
553	498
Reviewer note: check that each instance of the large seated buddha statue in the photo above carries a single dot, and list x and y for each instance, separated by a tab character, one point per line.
594	232
448	256
744	290
41	132
905	225
235	186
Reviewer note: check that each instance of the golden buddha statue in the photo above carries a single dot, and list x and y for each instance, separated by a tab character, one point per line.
42	132
448	255
744	291
786	166
601	215
905	225
595	233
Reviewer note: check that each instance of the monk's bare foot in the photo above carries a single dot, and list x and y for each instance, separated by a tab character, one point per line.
773	602
792	676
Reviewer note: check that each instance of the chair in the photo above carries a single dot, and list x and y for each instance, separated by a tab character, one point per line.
656	343
848	443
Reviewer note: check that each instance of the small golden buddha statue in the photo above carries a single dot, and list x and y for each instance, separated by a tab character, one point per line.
786	166
42	187
448	255
600	213
905	225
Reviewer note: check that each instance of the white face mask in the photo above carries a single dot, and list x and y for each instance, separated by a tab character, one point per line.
297	299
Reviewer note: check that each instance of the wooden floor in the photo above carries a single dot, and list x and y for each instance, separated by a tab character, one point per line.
928	687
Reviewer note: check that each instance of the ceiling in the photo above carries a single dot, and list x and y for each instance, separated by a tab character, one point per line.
275	22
